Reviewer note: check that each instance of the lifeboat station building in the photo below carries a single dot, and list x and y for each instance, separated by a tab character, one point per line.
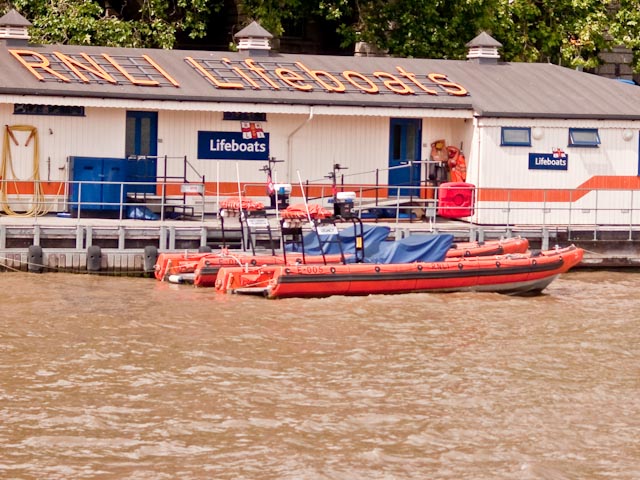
533	143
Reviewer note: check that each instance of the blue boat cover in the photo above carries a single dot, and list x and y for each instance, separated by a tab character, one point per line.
373	236
415	248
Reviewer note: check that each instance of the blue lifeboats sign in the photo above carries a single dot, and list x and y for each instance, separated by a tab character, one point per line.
548	161
232	146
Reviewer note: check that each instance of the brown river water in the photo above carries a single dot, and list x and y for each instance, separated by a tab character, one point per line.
130	378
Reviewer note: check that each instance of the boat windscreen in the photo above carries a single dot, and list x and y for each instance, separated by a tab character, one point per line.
373	236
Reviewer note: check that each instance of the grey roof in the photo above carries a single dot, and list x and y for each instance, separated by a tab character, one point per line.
484	40
253	30
13	19
526	90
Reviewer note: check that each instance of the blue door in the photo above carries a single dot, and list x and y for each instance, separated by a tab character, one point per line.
141	148
405	136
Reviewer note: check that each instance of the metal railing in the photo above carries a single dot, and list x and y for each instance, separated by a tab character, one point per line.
118	200
576	210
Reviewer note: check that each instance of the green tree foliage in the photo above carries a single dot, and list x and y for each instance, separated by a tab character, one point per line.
565	32
412	28
87	22
625	28
274	14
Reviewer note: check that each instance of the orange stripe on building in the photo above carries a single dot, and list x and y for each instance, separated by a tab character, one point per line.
598	182
22	187
524	195
258	190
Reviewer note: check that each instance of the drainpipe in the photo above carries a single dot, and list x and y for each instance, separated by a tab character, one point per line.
478	130
478	157
290	144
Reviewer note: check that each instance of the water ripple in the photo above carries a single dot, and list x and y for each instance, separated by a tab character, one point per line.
136	379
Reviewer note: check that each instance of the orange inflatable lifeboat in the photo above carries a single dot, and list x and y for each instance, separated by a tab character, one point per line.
517	274
489	247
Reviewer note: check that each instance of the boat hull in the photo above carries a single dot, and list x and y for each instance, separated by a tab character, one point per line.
205	266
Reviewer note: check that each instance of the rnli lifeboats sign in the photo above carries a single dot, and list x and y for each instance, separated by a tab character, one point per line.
557	160
226	74
232	146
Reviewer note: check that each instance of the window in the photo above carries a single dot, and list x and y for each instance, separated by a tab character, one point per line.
584	137
64	110
515	137
245	116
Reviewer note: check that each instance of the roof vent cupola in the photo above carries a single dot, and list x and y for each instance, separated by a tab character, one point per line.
254	40
14	28
484	49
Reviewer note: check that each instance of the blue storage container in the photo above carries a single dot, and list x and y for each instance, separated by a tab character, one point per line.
92	193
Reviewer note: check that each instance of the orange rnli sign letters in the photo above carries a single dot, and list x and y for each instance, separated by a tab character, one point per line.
97	68
249	74
227	74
